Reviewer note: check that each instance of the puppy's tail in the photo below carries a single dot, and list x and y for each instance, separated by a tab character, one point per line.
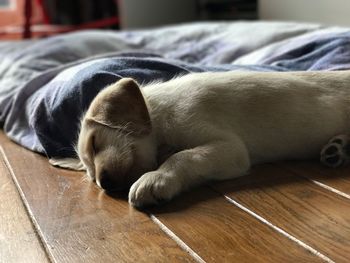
68	163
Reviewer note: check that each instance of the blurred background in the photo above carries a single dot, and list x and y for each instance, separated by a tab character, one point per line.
39	18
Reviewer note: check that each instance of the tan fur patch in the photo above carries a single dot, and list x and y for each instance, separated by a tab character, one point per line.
122	106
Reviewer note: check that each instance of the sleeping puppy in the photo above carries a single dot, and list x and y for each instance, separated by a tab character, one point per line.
170	136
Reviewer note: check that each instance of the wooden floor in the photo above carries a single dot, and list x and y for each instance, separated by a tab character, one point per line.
285	212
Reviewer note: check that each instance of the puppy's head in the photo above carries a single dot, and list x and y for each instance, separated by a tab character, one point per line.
115	142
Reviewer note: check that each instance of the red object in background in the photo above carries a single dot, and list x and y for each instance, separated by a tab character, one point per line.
28	18
16	20
46	16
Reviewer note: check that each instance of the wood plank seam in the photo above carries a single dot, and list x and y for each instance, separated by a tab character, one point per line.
327	187
26	205
276	228
178	241
67	233
18	240
279	230
231	234
9	167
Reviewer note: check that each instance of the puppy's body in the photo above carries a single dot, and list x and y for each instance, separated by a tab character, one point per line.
275	115
219	124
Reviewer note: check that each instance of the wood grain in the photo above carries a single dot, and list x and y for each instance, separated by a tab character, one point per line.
18	239
79	222
314	215
338	178
221	232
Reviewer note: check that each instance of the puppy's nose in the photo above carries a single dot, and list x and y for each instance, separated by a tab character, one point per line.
106	182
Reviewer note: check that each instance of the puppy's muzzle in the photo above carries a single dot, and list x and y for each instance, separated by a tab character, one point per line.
108	183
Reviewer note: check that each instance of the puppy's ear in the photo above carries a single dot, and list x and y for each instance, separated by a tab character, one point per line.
121	106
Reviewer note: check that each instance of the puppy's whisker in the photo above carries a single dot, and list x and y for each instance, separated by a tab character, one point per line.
123	154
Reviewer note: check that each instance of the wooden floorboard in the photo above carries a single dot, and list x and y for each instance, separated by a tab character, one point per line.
279	213
338	179
221	232
79	223
19	241
314	215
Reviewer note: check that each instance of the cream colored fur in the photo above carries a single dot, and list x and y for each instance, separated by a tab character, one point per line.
218	124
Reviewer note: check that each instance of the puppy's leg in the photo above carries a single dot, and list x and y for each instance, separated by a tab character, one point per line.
217	160
336	152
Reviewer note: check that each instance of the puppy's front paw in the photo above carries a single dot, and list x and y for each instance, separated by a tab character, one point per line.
336	152
153	188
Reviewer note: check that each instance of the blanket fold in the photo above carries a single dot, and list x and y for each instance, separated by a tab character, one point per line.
46	85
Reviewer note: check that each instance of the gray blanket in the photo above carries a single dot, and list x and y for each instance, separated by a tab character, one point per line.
46	85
